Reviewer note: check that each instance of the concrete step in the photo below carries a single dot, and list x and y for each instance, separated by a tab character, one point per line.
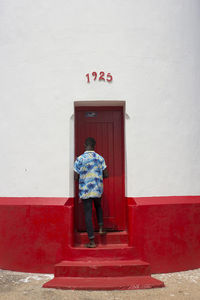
102	252
104	283
105	268
119	237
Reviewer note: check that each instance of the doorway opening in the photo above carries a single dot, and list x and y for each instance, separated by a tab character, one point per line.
104	121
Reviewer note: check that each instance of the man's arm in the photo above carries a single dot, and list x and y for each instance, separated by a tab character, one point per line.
76	176
105	173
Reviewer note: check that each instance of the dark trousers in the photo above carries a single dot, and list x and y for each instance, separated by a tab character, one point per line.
87	204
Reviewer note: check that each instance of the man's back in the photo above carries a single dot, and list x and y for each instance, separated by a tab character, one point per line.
90	166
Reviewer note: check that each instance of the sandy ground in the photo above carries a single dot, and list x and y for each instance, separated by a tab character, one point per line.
20	286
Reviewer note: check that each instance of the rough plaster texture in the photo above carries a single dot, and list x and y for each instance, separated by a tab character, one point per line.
152	50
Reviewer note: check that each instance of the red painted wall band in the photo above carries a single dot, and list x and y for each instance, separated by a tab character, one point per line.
36	233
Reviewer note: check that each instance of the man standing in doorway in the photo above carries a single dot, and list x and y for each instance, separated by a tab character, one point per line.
90	169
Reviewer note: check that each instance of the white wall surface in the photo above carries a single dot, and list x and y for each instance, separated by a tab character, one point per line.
152	50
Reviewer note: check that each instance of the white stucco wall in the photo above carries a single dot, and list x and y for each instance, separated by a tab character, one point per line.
152	50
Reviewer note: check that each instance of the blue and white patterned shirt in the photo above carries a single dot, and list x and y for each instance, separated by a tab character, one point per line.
90	166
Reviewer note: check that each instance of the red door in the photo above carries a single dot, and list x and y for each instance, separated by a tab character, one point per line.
106	126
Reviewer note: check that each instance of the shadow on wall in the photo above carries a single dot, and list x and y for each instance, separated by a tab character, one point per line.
71	156
125	150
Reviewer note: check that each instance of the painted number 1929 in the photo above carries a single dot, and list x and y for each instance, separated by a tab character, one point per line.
101	76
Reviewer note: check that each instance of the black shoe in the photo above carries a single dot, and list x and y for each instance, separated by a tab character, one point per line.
91	244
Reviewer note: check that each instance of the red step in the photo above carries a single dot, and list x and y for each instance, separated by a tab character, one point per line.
102	252
103	268
112	265
120	237
104	283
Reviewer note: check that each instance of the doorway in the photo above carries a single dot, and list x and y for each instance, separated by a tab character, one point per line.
106	125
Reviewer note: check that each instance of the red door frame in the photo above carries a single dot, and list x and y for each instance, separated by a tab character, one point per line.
111	108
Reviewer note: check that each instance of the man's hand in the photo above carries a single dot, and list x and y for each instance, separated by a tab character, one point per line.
105	173
76	176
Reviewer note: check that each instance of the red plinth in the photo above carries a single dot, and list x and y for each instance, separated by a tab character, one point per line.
38	233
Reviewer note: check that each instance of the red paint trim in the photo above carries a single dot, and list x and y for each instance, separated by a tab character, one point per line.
35	201
85	108
165	200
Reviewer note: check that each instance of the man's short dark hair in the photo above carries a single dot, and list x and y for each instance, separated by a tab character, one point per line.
90	142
